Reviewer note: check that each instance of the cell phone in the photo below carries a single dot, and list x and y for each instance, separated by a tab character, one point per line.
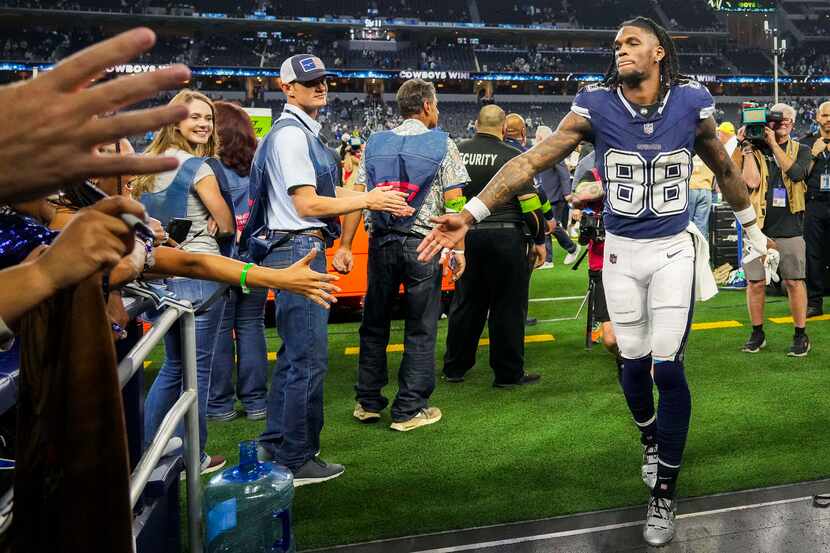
140	227
177	229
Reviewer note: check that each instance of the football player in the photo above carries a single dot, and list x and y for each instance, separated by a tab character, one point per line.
646	122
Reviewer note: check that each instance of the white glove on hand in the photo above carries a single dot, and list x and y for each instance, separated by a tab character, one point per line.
771	266
756	242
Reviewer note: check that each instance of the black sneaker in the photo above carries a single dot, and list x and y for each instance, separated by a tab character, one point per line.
528	378
757	341
801	345
315	471
814	311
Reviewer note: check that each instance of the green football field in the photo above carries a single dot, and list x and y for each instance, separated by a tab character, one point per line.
565	445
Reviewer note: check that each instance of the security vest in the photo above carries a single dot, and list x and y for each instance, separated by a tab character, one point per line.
407	163
483	156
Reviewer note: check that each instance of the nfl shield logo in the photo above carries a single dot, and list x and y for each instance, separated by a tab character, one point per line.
648	128
612	258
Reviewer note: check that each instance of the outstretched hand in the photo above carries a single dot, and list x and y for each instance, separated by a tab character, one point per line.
449	230
53	124
302	279
386	198
95	239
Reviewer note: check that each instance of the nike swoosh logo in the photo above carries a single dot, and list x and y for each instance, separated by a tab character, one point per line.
670	255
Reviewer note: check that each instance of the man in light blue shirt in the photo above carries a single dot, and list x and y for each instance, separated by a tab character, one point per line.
297	204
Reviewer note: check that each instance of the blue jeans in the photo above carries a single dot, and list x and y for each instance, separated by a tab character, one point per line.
167	387
295	399
390	265
244	313
700	204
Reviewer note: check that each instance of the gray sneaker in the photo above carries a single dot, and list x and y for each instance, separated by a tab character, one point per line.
659	528
315	471
649	468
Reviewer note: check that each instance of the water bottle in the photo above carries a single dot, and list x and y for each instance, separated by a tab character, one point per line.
248	507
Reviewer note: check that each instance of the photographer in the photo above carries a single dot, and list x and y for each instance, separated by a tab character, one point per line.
352	152
774	169
817	216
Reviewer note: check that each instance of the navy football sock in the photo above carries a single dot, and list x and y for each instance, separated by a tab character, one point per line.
673	412
637	386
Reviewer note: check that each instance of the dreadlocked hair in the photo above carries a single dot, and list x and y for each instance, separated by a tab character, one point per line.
669	65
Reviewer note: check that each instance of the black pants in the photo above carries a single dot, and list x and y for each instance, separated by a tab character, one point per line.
560	213
816	234
390	265
496	279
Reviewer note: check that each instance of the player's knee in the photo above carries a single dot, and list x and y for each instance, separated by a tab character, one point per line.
632	349
665	345
669	375
633	340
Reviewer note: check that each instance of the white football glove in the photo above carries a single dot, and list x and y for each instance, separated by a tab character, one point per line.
757	243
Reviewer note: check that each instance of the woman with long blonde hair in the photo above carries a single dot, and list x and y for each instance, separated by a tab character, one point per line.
191	192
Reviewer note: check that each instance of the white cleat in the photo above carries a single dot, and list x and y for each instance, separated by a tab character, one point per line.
649	468
659	528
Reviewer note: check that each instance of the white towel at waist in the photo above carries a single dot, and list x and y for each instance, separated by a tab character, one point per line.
705	286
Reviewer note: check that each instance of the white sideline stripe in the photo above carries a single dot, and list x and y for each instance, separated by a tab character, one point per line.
561	298
568	533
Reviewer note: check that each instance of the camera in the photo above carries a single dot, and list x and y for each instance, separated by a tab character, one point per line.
754	118
591	228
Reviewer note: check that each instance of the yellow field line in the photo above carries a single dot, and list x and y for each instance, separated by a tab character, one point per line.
789	320
716	324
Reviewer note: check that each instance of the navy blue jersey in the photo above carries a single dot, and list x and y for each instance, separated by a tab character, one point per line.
645	163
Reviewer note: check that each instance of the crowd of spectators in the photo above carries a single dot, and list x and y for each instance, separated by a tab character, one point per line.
807	59
677	15
44	44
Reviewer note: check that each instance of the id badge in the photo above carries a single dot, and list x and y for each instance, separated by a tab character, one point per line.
779	197
825	183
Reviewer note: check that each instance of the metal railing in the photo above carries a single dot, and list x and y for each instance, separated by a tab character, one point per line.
186	407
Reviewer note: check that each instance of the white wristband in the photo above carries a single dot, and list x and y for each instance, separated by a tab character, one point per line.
477	209
459	252
747	215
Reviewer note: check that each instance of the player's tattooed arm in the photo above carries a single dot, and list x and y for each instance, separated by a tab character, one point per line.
714	155
513	177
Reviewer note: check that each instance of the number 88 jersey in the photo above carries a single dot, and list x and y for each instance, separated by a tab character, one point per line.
645	162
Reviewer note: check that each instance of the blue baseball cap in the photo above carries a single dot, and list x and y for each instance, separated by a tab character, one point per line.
303	68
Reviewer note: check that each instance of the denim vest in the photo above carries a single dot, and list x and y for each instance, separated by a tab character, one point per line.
409	164
236	191
171	203
326	167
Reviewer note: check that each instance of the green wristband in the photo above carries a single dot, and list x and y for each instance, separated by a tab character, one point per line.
456	204
531	204
244	276
546	207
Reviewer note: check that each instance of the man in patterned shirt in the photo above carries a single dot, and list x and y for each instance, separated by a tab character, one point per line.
422	161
